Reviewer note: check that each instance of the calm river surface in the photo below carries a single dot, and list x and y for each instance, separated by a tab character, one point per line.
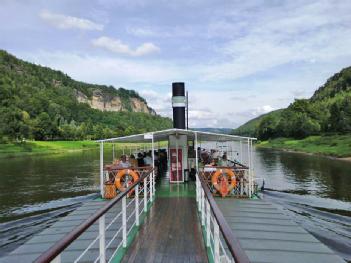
36	191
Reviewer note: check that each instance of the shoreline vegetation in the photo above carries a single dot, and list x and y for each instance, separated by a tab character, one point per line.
335	146
36	148
31	148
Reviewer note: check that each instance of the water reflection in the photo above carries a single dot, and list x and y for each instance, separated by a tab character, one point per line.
302	173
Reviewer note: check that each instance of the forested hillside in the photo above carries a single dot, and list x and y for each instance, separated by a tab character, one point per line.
250	128
327	111
40	103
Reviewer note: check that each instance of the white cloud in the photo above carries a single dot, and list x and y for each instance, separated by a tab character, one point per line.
159	101
281	35
107	70
68	22
161	32
262	110
117	46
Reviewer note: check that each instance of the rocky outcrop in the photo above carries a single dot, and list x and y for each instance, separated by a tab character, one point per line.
105	102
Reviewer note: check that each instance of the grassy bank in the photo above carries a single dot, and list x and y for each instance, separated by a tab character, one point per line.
332	145
43	147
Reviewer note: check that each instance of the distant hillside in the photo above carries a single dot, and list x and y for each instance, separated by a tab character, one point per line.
327	111
249	128
40	103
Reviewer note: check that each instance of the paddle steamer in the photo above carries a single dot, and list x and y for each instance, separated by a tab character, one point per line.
197	201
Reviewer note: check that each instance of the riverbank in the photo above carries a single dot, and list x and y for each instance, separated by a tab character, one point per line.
29	148
332	145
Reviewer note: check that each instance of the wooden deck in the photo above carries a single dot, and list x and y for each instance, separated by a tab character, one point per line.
29	251
268	235
170	233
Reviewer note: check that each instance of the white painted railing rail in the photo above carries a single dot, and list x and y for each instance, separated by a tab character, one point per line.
219	238
131	210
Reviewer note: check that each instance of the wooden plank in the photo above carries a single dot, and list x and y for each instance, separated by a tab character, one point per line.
291	257
267	228
268	235
39	243
284	245
171	231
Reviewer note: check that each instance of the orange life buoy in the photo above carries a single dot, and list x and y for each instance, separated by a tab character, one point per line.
220	182
122	186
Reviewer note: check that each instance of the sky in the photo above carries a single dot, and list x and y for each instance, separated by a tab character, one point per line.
238	59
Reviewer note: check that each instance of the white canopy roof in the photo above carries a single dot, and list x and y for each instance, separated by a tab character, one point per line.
164	134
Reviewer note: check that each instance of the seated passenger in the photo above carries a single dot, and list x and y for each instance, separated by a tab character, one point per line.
214	162
148	159
224	161
123	163
133	161
140	160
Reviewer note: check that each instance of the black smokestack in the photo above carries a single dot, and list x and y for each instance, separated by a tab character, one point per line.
178	103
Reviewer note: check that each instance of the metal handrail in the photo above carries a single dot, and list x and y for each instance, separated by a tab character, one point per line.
232	242
64	242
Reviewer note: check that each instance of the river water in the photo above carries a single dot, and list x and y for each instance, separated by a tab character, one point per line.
36	191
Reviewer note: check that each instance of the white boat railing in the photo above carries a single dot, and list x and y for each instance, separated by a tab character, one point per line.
219	239
130	213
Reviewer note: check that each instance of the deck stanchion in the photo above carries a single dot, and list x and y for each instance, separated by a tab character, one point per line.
124	221
252	169
249	164
102	239
137	205
152	185
200	200
203	207
145	195
216	243
57	259
208	224
197	168
102	169
197	189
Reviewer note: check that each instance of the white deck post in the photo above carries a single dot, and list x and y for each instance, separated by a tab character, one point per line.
196	167
57	259
216	242
241	152
197	189
145	195
152	185
200	198
102	239
203	207
102	169
137	205
251	168
208	224
249	164
124	221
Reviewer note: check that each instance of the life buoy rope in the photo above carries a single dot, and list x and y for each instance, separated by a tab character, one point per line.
125	173
220	182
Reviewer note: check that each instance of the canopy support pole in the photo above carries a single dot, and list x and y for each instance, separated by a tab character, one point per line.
102	169
152	185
